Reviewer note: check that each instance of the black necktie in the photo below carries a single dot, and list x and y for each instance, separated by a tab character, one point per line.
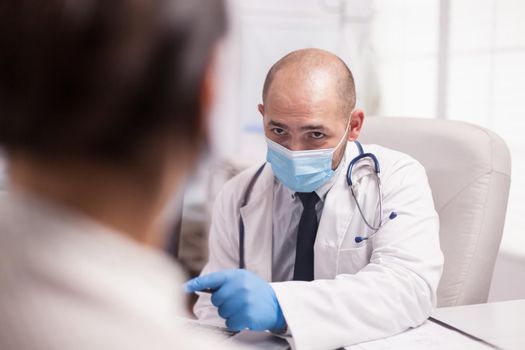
304	252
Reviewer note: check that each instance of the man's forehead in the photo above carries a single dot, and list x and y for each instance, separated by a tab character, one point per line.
321	119
299	113
302	92
283	105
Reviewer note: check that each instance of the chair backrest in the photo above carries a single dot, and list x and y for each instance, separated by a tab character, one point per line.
469	172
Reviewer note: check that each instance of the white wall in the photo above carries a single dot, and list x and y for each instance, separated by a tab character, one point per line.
483	47
405	40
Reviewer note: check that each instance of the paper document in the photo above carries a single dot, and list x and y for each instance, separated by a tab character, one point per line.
429	336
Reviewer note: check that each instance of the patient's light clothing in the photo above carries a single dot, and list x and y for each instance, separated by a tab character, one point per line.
67	282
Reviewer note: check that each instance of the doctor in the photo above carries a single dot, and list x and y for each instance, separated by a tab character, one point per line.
326	263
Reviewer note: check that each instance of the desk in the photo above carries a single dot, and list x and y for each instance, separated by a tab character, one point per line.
501	323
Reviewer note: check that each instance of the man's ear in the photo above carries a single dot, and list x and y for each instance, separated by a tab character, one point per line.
260	107
356	123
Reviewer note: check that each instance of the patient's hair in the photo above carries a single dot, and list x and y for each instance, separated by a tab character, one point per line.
98	78
304	60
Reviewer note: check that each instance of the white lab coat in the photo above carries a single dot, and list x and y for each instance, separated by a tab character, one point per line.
362	291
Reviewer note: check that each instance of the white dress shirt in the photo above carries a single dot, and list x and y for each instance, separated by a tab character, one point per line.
287	212
68	282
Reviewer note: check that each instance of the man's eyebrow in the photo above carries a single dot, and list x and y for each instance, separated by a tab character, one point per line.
302	128
277	124
312	127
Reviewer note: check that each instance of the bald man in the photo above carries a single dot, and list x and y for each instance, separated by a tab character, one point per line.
311	245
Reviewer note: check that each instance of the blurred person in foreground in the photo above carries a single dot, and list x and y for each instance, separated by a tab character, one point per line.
103	112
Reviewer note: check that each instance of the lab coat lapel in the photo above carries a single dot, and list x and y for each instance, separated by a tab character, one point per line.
257	216
338	210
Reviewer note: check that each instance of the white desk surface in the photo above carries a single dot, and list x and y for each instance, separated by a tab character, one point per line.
428	336
501	323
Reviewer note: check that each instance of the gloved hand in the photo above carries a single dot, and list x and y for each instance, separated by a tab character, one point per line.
244	300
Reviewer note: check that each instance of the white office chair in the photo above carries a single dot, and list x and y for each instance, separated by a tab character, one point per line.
469	172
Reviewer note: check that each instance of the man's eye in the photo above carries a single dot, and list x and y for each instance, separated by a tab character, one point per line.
317	135
278	131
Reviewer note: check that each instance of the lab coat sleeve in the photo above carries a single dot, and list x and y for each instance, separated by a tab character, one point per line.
395	291
223	251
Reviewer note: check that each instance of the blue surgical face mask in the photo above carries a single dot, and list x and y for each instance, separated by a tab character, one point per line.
301	171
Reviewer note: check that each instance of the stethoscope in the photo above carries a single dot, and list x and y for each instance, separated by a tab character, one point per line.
362	156
358	159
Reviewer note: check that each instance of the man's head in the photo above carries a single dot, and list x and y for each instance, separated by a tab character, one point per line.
99	79
308	102
103	102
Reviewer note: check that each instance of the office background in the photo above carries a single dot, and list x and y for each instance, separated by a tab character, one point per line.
450	59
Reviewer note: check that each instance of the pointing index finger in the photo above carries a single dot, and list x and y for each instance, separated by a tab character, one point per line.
208	283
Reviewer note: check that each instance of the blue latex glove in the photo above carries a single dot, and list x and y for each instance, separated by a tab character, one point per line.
244	300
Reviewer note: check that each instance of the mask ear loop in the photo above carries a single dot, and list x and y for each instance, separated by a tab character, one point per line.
345	135
344	139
